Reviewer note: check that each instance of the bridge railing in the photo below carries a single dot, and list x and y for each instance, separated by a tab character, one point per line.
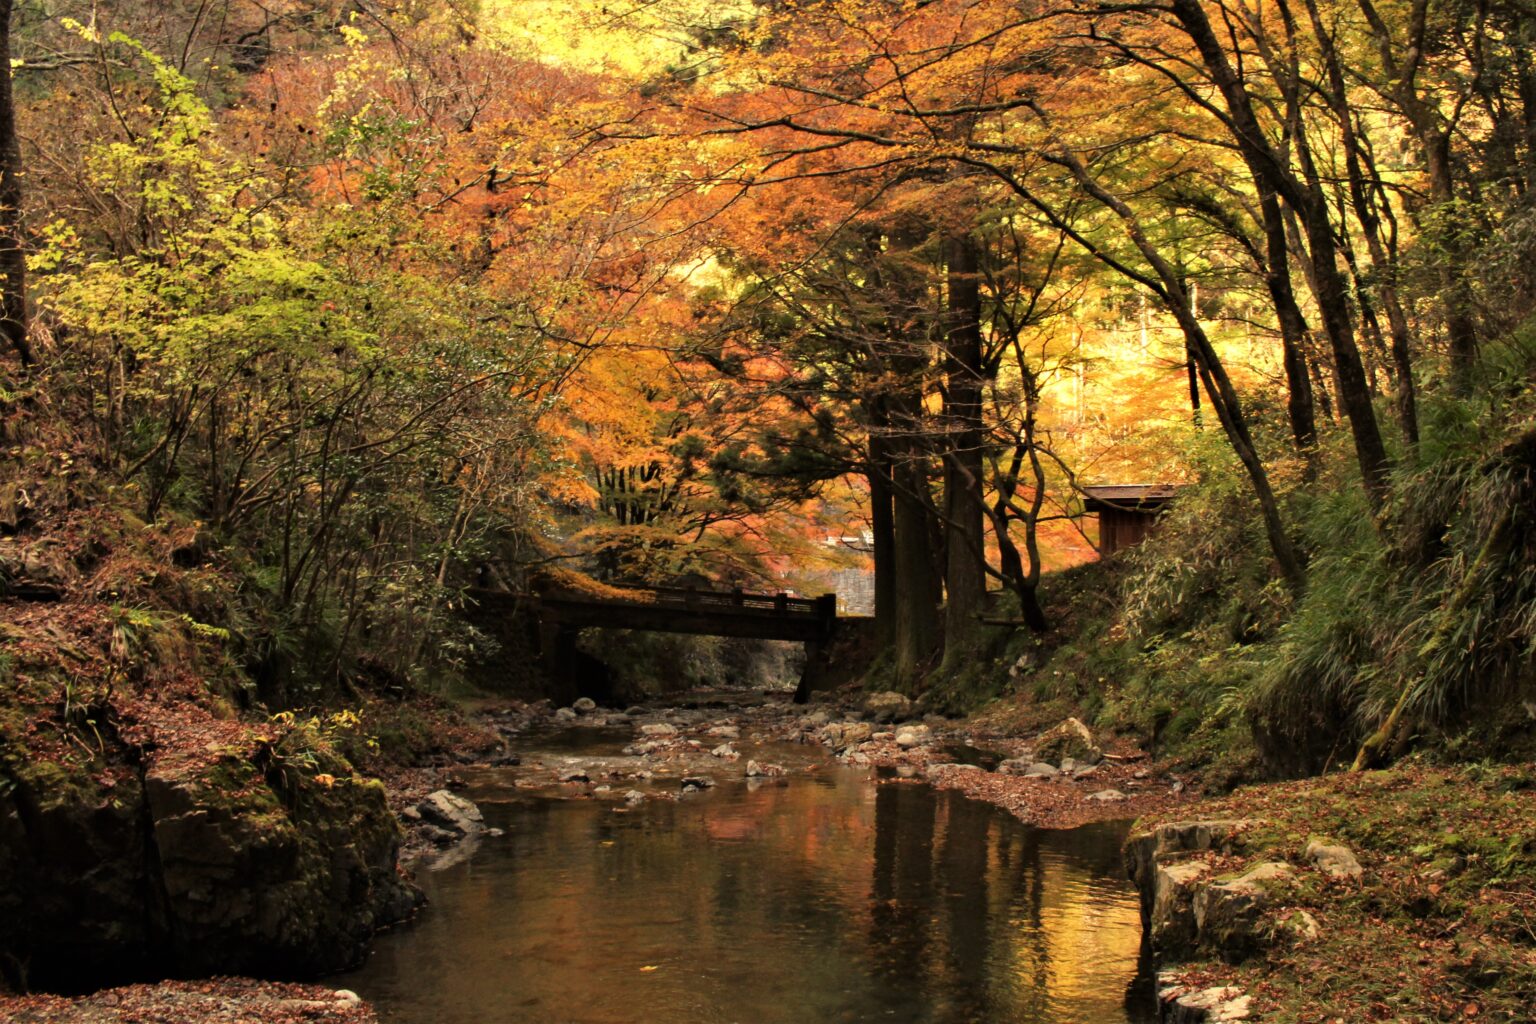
721	600
782	603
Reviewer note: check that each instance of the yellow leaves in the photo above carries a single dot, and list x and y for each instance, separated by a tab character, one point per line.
325	780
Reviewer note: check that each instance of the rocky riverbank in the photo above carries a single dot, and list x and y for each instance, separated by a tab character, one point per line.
1059	778
1403	895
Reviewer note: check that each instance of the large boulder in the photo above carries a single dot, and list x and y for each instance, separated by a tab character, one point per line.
1171	926
294	879
1145	850
167	861
1230	915
1071	739
887	706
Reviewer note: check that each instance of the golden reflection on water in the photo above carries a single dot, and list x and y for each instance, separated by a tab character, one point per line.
825	899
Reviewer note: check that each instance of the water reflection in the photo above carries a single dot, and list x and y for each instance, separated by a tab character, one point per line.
823	899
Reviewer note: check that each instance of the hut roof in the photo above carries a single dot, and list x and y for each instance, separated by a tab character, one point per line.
1139	497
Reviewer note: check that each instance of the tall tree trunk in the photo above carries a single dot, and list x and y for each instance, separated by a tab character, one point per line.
1401	63
13	259
882	525
1271	172
1357	160
1299	406
965	577
917	622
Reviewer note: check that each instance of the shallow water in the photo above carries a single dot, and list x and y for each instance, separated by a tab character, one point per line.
821	898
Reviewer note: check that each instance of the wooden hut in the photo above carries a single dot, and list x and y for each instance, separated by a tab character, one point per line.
1127	512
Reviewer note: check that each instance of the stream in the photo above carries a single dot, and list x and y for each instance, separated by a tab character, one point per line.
819	897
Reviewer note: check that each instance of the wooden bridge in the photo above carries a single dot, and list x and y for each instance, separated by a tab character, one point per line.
563	614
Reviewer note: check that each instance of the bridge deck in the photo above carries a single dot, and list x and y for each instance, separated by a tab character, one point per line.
709	613
561	615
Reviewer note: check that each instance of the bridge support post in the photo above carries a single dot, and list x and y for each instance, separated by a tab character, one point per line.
814	674
557	650
816	650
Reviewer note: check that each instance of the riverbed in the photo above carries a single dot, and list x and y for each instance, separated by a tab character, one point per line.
821	896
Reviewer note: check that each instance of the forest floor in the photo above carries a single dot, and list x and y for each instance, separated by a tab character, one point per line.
209	1001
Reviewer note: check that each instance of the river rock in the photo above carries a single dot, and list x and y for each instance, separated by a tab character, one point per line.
583	705
842	735
1108	796
1334	861
1071	739
451	812
763	771
1179	1004
938	771
634	797
888	706
814	720
725	752
724	732
565	715
574	775
909	736
658	729
1027	768
694	783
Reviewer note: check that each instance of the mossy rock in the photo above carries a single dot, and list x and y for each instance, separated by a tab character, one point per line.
1069	739
194	865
